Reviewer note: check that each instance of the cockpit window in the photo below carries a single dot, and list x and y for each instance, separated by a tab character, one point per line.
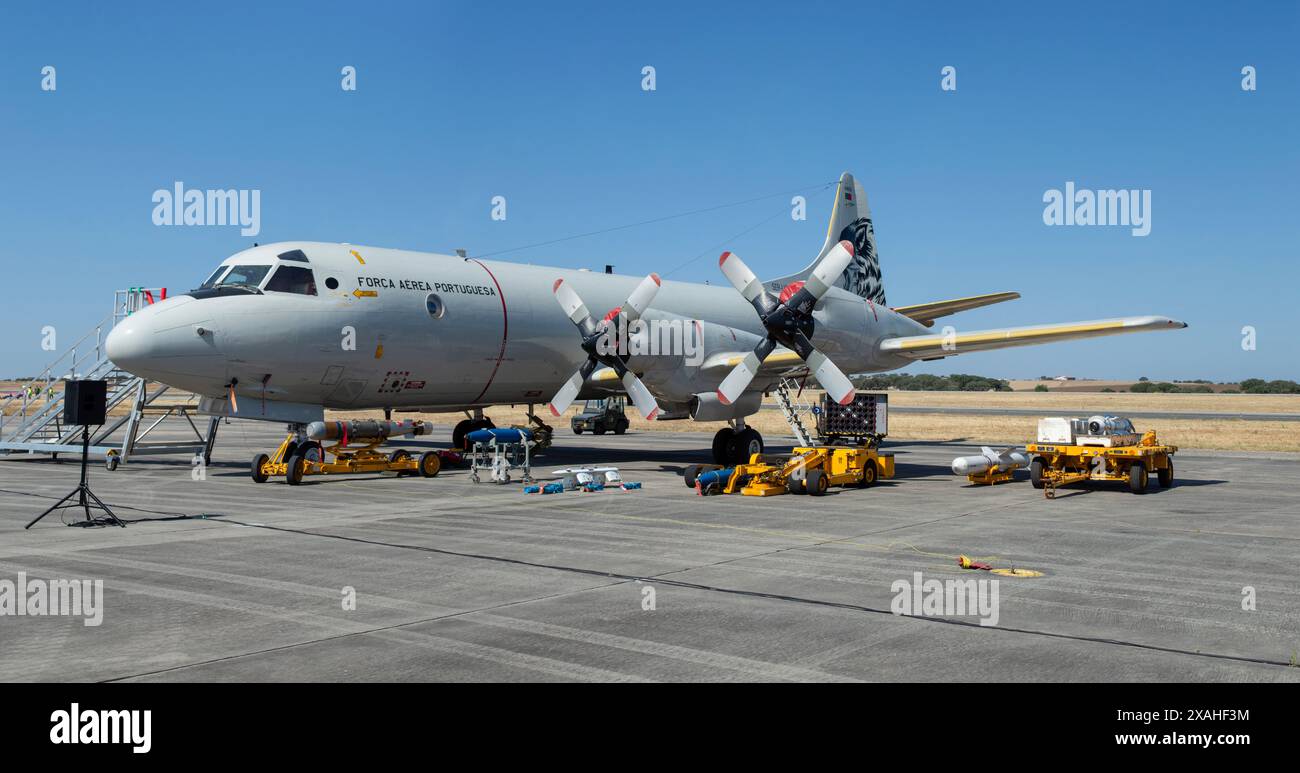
292	279
212	280
248	276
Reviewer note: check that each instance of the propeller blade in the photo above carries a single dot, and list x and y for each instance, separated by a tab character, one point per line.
564	398
832	379
828	271
641	298
572	305
802	296
641	397
733	386
741	278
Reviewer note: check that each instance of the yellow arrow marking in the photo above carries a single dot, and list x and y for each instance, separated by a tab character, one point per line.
366	293
357	255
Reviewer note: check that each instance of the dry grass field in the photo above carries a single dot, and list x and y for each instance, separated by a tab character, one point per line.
1221	434
1226	434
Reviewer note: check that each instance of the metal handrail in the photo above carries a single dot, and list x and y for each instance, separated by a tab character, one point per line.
125	303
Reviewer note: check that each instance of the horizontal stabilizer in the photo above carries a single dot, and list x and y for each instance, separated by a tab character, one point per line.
927	313
932	346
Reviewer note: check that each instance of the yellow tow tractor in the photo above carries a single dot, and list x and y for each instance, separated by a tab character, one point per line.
804	471
298	457
1097	448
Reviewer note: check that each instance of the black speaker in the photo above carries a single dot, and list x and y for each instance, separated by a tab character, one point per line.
83	402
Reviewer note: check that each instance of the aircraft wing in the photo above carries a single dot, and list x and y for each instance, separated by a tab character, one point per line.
927	313
927	347
781	362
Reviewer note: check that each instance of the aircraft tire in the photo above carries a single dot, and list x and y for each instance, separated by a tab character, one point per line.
466	426
744	444
720	441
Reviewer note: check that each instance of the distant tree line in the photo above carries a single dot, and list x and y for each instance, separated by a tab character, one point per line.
1258	386
1251	386
924	382
1165	387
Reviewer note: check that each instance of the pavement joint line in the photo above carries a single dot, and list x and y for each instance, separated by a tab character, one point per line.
800	600
349	634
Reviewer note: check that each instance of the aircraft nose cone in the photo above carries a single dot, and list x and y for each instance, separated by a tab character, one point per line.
127	344
157	333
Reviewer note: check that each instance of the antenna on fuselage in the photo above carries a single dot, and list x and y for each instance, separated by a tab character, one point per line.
461	253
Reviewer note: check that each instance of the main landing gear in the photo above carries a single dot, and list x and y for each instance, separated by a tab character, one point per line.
467	426
735	445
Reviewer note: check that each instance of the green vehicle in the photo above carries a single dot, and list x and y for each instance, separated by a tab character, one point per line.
601	416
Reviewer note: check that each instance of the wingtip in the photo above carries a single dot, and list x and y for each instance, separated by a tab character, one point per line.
651	416
723	258
847	398
723	398
553	411
847	245
557	284
658	281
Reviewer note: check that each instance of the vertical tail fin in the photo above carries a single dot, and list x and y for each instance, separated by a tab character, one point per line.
851	220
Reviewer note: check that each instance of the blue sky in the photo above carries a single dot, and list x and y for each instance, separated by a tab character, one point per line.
460	102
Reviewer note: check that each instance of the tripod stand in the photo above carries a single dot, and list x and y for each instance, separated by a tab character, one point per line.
83	493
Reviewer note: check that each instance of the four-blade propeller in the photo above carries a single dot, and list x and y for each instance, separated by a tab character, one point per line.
591	331
789	323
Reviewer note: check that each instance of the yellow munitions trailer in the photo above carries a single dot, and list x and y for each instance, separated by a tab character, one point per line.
1056	465
804	471
296	460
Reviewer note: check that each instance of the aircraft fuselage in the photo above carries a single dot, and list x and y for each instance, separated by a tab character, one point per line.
397	329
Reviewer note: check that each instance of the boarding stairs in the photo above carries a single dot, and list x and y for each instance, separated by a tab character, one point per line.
31	420
796	411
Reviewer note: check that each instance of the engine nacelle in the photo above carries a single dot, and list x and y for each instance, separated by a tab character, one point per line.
707	407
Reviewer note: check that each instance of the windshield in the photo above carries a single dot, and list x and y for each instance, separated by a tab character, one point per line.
212	280
246	276
594	406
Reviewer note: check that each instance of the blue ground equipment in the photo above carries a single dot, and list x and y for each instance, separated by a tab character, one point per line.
499	451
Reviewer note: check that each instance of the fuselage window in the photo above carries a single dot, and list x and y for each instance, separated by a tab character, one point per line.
292	279
212	280
250	276
434	304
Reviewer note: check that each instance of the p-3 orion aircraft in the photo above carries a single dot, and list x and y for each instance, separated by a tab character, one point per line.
282	331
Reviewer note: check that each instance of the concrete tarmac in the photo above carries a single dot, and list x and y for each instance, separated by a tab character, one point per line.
218	578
